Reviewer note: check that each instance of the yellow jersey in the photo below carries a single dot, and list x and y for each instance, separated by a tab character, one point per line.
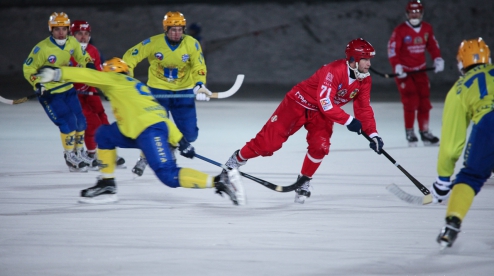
470	98
132	104
171	67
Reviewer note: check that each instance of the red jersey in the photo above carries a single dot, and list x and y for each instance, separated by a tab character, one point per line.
329	88
94	53
407	46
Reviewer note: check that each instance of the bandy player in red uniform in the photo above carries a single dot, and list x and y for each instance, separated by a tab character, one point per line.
315	104
92	108
406	53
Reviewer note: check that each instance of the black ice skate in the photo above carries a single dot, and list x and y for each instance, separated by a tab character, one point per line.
231	184
74	162
104	191
449	232
303	192
429	139
121	163
140	166
411	137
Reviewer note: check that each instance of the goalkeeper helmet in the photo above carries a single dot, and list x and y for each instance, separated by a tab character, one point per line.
116	65
58	20
173	19
358	49
472	52
80	25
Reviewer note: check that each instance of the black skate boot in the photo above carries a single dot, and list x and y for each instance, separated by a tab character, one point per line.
303	192
231	184
74	162
140	166
411	137
448	233
89	159
233	162
121	163
104	191
429	139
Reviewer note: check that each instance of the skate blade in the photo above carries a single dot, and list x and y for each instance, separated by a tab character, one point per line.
123	167
102	199
96	168
412	144
443	245
429	144
236	180
300	199
83	169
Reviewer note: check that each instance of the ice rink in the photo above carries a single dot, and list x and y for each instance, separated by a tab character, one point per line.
349	226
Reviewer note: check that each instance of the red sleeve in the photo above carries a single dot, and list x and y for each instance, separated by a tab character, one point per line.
330	77
394	46
362	108
432	44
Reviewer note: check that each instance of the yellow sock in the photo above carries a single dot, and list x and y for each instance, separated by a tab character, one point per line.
460	201
79	140
190	178
68	141
107	160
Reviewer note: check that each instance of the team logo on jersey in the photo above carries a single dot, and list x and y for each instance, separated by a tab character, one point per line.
426	37
158	56
33	78
135	52
201	72
339	86
329	78
354	93
197	46
52	59
274	118
341	93
418	40
29	61
88	60
185	57
146	41
407	39
326	104
36	50
72	52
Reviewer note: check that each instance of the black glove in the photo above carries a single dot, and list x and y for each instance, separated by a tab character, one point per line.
377	144
91	65
355	126
40	89
186	149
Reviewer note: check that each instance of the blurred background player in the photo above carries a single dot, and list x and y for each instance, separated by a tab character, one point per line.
92	108
470	99
142	124
59	100
406	53
315	104
177	66
195	30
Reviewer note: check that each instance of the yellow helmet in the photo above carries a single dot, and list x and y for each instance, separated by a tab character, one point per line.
473	51
116	65
58	20
173	19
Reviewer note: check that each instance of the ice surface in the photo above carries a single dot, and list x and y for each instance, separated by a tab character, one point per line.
349	226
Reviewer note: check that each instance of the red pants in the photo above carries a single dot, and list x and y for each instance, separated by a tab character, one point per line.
287	119
415	97
93	110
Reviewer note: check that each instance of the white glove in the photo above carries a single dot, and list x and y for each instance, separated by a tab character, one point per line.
440	190
399	71
202	93
48	74
438	65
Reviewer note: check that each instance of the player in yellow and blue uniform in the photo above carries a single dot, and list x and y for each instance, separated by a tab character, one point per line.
141	123
470	99
177	66
59	100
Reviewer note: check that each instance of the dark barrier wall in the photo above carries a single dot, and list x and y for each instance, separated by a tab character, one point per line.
270	42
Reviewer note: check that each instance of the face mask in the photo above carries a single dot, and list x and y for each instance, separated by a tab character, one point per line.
83	46
414	21
60	42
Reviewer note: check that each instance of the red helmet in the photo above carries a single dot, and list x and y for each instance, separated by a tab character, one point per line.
80	25
415	6
358	49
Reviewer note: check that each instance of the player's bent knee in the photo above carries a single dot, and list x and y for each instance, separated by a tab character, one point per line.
169	178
